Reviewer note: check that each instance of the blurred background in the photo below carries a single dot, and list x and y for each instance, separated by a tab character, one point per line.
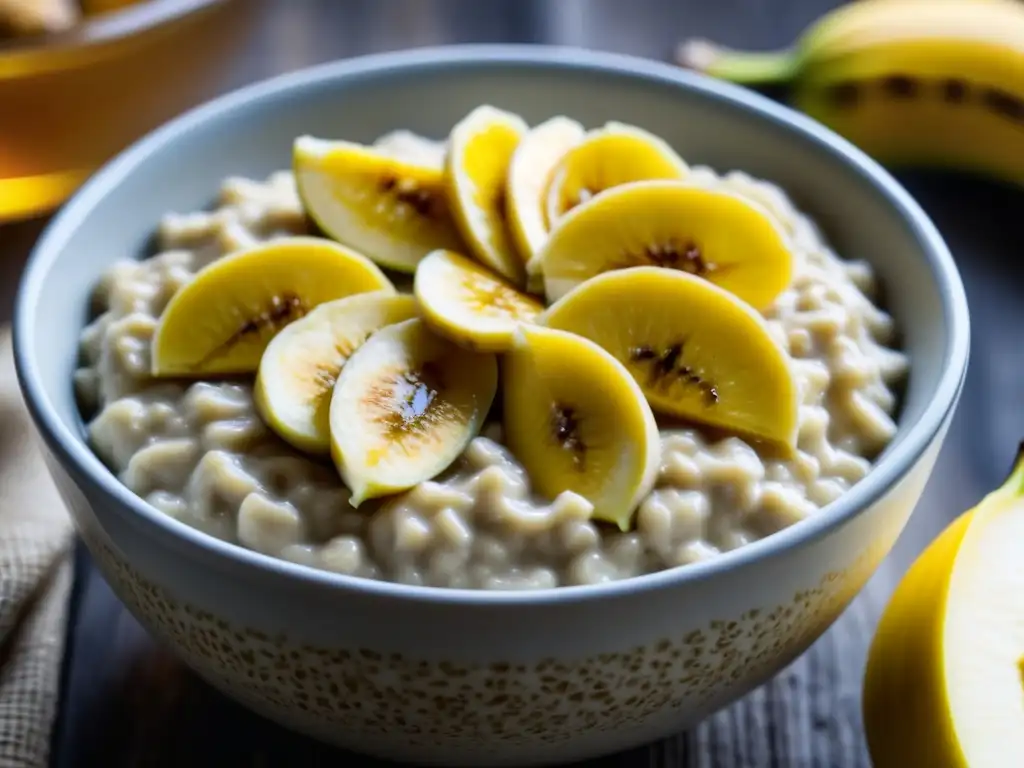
74	90
75	94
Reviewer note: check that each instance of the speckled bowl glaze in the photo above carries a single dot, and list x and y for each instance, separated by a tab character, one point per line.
482	678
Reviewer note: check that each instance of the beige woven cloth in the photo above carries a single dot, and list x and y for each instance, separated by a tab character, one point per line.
35	582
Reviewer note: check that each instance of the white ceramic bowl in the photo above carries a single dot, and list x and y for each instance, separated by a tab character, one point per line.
470	677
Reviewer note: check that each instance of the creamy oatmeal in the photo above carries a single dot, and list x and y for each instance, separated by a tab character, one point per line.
200	453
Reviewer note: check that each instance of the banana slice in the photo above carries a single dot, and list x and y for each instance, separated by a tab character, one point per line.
405	406
612	155
720	236
221	321
578	422
479	151
392	209
696	350
301	364
528	174
471	306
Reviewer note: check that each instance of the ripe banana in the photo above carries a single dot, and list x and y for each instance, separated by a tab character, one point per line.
912	82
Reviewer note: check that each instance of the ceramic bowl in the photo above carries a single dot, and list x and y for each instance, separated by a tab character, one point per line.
467	677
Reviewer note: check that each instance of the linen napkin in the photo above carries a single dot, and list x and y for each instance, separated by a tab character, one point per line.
35	582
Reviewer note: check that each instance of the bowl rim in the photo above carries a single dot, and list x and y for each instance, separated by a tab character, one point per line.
104	27
72	449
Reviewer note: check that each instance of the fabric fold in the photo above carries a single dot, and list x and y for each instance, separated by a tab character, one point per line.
35	582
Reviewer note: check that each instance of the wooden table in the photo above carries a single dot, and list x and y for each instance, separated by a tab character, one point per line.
128	703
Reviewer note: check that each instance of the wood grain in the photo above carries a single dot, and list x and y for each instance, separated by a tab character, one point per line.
128	703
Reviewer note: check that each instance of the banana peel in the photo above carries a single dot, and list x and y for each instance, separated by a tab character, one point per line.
936	83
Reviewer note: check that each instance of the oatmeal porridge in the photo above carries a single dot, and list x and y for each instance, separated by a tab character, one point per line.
202	449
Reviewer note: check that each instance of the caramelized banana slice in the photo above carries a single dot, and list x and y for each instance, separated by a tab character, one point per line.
471	306
301	364
221	321
528	175
393	209
696	351
613	155
479	151
405	406
716	235
578	422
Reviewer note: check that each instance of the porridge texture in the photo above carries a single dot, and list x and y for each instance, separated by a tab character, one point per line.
200	453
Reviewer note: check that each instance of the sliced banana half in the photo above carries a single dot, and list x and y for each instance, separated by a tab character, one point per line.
577	421
301	364
404	408
480	148
716	235
609	156
220	322
944	679
696	351
528	174
469	304
389	206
